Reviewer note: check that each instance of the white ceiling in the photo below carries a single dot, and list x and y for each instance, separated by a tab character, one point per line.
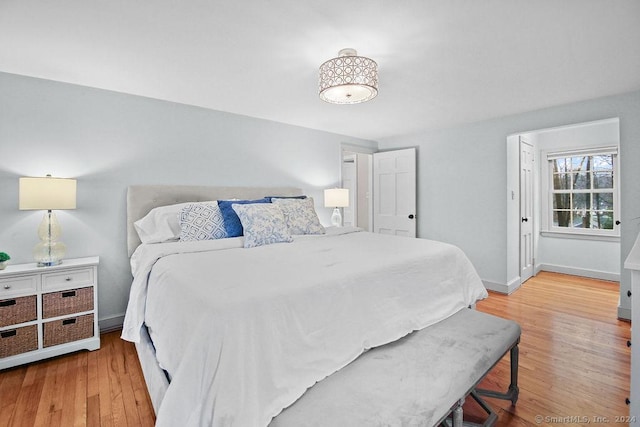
441	63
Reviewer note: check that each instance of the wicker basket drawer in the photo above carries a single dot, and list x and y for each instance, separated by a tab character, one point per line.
17	310
67	302
68	330
19	340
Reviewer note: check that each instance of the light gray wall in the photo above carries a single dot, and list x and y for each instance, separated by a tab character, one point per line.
109	140
462	179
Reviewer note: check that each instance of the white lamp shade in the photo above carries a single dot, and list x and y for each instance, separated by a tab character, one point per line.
47	193
336	198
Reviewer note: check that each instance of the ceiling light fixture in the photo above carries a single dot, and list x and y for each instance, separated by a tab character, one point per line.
348	79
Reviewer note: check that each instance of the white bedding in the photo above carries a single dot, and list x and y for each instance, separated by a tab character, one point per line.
244	332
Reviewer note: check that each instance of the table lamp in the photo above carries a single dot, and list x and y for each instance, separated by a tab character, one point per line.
48	193
336	198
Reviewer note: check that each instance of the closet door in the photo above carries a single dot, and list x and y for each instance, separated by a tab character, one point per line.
526	211
350	182
394	192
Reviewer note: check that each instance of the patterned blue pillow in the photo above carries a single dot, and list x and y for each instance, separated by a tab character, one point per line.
201	221
300	216
232	223
263	224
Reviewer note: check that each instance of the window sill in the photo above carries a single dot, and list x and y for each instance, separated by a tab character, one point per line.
579	236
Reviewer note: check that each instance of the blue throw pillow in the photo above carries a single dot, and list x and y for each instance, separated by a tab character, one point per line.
232	223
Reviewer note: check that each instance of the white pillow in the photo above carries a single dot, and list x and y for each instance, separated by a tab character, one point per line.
161	224
300	215
201	221
263	224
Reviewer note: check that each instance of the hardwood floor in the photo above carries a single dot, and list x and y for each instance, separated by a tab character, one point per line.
86	388
574	363
574	360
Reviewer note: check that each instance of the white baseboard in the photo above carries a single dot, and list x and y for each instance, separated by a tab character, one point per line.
502	288
108	324
583	272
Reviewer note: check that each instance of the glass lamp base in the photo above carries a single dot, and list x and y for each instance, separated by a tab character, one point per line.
336	218
49	251
49	263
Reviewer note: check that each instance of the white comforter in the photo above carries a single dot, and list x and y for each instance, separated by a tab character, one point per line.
244	332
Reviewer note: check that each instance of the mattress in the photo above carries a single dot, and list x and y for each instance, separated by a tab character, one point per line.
243	333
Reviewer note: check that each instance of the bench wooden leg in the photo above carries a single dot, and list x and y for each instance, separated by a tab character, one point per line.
513	391
458	418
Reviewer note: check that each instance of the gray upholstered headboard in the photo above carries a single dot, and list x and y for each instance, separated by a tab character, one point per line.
142	198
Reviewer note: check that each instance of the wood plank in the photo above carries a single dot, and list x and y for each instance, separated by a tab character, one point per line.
93	411
93	388
11	381
106	416
116	381
68	387
79	413
25	410
45	408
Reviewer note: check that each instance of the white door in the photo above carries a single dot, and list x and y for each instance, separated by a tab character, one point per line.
394	192
526	211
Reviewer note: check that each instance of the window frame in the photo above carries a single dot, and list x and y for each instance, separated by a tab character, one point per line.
547	194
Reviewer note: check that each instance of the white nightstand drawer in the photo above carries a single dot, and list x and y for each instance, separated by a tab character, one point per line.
15	285
67	279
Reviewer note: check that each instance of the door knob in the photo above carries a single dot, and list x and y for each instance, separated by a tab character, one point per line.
411	216
525	219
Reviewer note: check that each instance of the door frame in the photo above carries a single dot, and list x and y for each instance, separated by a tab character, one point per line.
345	149
348	149
514	218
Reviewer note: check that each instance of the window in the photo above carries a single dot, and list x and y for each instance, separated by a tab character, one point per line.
583	194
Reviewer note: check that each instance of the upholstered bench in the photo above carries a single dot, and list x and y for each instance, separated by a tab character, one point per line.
419	380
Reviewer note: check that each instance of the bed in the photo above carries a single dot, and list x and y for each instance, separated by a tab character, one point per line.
230	336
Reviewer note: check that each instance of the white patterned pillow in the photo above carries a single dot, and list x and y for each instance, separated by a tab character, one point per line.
201	221
300	215
263	224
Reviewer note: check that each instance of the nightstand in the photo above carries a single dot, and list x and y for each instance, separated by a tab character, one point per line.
633	263
48	311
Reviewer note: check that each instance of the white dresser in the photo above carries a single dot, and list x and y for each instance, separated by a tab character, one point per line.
48	311
633	263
